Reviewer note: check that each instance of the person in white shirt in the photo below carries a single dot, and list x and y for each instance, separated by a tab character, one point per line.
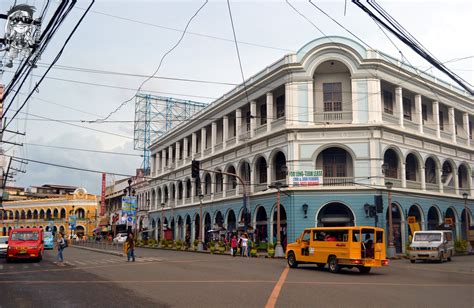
244	240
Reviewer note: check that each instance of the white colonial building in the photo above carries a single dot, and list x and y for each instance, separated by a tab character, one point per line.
359	116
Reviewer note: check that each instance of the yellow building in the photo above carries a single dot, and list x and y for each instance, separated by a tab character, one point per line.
52	214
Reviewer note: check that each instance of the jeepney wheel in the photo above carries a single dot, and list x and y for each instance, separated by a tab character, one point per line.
333	265
40	257
364	269
321	265
292	260
440	258
412	260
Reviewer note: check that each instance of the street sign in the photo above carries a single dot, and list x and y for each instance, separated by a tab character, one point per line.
130	219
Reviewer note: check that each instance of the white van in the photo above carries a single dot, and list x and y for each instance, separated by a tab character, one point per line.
431	245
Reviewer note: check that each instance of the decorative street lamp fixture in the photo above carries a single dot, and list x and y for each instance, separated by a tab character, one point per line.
162	221
465	195
391	251
278	248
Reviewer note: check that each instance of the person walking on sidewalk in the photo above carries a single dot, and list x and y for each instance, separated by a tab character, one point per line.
233	245
244	239
130	248
61	245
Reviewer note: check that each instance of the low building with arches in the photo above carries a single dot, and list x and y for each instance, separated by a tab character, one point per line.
358	117
52	213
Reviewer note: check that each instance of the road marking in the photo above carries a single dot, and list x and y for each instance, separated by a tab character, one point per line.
79	262
381	284
276	290
132	281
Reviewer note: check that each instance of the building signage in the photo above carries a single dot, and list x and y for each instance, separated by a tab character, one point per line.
306	178
102	199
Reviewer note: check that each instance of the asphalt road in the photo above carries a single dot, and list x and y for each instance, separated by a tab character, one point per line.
161	278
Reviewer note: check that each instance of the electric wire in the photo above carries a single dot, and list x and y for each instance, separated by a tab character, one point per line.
159	65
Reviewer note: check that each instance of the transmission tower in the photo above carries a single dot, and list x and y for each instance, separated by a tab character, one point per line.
154	116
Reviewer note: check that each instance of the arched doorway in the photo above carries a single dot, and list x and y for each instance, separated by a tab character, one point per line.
397	227
452	215
180	228
464	235
391	164
335	214
283	226
207	227
433	218
4	231
261	225
231	222
415	219
196	226
80	231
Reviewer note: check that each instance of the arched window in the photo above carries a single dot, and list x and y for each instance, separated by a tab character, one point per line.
279	167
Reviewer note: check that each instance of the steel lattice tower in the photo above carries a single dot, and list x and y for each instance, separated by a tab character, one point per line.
154	116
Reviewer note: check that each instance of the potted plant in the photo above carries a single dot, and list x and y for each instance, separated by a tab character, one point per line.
163	243
221	248
460	246
195	244
179	244
212	246
271	250
253	252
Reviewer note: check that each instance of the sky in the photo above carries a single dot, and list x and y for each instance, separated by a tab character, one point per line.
132	37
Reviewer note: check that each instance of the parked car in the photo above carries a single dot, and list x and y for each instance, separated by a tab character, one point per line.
3	245
120	238
431	245
25	243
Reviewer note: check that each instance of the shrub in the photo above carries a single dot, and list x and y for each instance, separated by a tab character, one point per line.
460	246
195	243
262	246
253	252
271	246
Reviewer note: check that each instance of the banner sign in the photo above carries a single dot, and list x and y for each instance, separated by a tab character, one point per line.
129	209
72	222
102	197
306	178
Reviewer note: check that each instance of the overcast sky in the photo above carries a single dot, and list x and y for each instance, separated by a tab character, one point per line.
132	36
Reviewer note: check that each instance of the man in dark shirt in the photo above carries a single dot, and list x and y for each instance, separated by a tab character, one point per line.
130	248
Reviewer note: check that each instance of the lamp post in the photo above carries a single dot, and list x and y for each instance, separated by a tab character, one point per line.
200	244
278	248
162	221
130	192
391	247
465	195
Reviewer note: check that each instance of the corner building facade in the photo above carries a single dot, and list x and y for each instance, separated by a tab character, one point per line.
360	116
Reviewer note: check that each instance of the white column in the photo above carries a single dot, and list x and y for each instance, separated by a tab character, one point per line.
269	111
440	183
158	162
170	154
404	175
178	150
225	131
456	181
419	113
203	141
238	124
423	178
175	194
193	190
163	160
399	102
193	145
213	185
213	136
452	124
185	149
253	118
269	174
374	99
436	118
465	122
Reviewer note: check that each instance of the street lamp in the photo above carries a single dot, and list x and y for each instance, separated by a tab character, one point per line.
278	248
200	244
465	195
391	247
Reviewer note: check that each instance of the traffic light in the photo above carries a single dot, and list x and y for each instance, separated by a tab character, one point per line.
195	169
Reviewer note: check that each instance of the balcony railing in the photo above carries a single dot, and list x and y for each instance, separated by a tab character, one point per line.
260	187
187	200
461	140
449	190
261	130
218	147
230	192
411	125
206	198
230	141
432	187
389	118
428	130
334	116
207	152
218	195
413	184
338	181
446	135
394	181
278	123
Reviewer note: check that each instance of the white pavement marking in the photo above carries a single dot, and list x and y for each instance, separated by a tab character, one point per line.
68	263
79	262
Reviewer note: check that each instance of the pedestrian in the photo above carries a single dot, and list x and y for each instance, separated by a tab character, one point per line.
130	248
244	240
234	244
61	245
